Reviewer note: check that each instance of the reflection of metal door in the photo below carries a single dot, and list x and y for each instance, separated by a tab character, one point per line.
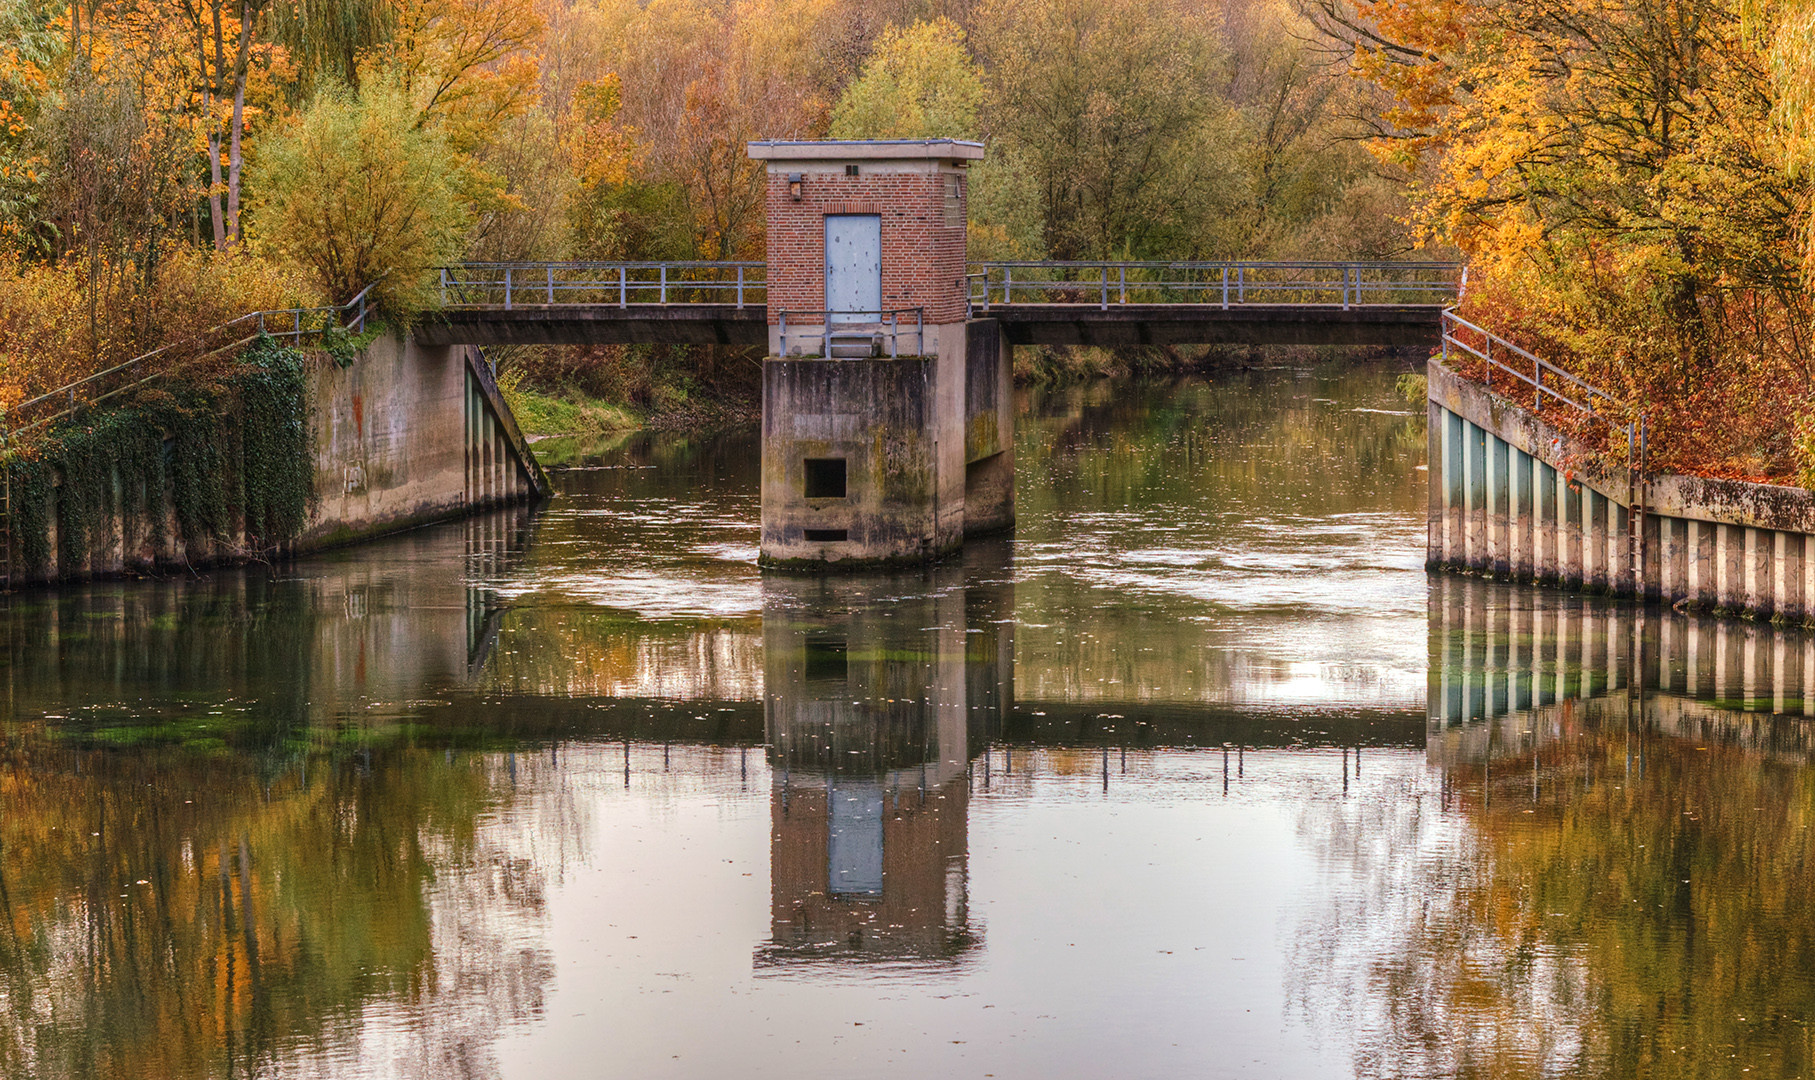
854	267
854	840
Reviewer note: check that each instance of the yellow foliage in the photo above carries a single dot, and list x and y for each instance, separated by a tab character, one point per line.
51	333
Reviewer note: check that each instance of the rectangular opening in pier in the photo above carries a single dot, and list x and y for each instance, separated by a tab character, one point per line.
828	661
825	480
821	536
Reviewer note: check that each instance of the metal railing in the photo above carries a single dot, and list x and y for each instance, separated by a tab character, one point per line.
1543	380
1527	373
866	330
595	284
1224	284
284	324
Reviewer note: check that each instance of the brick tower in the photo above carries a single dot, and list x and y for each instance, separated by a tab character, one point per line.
886	415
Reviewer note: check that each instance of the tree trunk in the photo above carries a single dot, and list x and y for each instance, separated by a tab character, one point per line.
241	64
215	215
209	93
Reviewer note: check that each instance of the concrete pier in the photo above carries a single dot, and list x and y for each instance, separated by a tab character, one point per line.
1515	499
887	416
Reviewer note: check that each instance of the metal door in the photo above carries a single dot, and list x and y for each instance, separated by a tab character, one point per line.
854	268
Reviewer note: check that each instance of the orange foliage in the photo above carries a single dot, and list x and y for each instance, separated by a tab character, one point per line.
51	334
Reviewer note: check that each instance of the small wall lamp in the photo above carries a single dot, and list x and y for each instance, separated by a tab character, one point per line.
795	180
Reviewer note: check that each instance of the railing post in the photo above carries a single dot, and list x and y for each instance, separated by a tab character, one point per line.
1345	287
507	288
1122	273
1537	378
740	287
1008	284
444	286
623	286
664	283
1241	284
1225	286
551	284
784	333
894	332
1105	276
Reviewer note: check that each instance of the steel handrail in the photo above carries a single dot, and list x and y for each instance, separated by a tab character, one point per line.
554	284
1345	283
357	310
1637	429
874	323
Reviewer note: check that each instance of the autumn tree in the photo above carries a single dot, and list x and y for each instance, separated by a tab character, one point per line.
1107	105
1613	170
363	194
919	83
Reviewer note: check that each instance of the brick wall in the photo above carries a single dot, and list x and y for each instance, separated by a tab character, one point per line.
922	256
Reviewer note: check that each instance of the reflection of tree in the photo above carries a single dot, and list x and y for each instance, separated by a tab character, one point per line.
171	914
1643	913
1167	502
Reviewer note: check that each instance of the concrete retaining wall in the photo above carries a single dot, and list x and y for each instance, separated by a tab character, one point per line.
405	435
1512	497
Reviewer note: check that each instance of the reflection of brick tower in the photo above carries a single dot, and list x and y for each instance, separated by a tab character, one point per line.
875	707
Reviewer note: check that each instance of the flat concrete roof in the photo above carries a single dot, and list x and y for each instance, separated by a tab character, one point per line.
866	150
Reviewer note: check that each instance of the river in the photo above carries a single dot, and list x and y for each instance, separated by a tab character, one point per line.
1200	774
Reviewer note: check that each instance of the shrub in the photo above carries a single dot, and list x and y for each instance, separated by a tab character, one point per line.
359	192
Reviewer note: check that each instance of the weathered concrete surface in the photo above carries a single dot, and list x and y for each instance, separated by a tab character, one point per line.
601	324
989	426
408	433
1512	496
878	418
1121	325
405	435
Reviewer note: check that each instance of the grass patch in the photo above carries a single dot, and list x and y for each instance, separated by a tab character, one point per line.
566	413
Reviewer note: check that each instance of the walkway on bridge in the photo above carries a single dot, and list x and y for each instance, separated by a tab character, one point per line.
1107	304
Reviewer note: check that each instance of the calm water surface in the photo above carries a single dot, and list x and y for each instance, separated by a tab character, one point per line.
1200	775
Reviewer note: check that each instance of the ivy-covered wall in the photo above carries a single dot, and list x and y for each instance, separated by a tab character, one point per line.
187	469
280	452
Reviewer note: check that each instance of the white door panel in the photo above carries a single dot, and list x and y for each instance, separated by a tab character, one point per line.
854	267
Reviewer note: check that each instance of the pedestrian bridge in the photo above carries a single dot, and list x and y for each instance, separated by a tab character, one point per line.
1104	304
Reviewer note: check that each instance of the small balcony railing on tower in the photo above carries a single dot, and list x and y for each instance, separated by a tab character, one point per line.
853	334
1220	284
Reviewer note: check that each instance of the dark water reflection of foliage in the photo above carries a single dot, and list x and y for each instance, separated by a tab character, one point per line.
1613	905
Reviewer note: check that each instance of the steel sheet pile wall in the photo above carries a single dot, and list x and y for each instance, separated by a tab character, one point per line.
1513	498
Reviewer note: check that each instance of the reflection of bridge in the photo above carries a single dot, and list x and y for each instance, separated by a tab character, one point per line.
1108	304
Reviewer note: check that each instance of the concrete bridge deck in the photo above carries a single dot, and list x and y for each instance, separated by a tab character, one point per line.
1101	304
1118	326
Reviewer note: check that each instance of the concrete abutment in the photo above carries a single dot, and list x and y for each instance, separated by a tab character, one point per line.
405	435
1513	498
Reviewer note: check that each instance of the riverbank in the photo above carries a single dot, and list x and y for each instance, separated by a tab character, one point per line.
589	394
